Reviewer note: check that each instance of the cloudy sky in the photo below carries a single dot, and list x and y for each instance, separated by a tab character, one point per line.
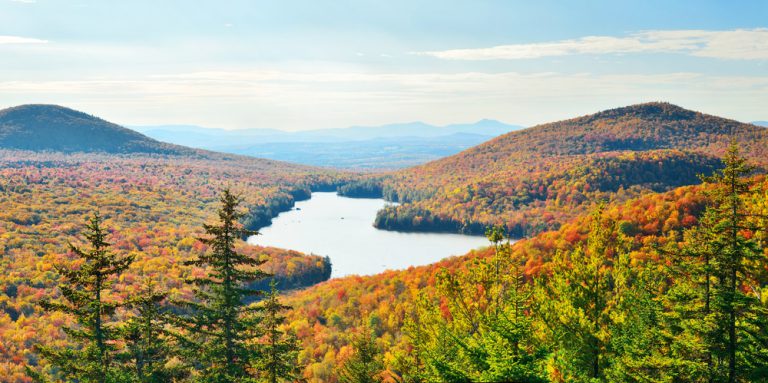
311	64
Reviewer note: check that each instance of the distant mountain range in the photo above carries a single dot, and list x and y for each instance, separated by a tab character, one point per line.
55	128
192	135
760	123
386	146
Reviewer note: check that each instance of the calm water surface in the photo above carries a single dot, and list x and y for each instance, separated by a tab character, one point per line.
342	228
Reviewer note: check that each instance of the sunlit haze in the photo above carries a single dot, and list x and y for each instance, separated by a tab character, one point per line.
297	65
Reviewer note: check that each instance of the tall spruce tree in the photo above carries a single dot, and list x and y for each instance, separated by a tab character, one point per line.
365	365
688	323
737	261
483	329
576	301
220	331
148	356
597	308
279	349
725	264
85	289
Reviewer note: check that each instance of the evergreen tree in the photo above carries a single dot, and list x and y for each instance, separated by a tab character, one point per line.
280	349
688	322
740	343
365	365
483	329
86	296
148	356
715	325
576	302
598	308
724	264
635	333
221	330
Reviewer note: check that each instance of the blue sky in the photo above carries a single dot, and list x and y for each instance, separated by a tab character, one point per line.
297	65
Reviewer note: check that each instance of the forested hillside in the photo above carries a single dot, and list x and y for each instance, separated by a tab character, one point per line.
154	207
632	261
534	179
56	128
625	274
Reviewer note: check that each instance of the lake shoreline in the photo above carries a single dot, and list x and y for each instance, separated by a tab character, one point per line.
342	228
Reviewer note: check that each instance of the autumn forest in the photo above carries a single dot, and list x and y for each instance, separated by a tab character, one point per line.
624	246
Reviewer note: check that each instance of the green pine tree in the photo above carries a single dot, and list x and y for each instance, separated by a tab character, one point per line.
220	331
483	329
598	308
86	297
716	326
576	302
365	364
688	322
740	343
635	332
280	349
148	356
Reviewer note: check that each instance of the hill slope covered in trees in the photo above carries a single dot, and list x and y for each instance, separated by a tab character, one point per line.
534	179
440	320
56	128
403	309
153	197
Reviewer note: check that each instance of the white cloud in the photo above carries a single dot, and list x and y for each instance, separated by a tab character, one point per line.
303	100
24	1
20	40
739	44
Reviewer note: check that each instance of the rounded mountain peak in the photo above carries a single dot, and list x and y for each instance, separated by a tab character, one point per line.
648	110
42	127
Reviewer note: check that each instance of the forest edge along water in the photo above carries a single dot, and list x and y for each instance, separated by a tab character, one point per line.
342	228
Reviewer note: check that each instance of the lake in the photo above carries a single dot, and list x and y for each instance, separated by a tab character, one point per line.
342	228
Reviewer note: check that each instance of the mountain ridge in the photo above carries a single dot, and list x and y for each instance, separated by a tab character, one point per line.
485	127
532	179
55	128
41	127
374	147
628	134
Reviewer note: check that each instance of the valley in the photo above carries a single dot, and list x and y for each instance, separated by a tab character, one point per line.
417	270
304	191
368	148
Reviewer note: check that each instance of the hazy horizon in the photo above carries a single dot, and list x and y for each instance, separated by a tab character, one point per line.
304	65
149	126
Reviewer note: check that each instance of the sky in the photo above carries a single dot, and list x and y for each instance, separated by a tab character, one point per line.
312	64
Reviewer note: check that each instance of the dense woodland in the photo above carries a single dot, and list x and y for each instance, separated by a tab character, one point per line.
618	295
535	179
666	288
154	208
547	192
216	336
132	267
